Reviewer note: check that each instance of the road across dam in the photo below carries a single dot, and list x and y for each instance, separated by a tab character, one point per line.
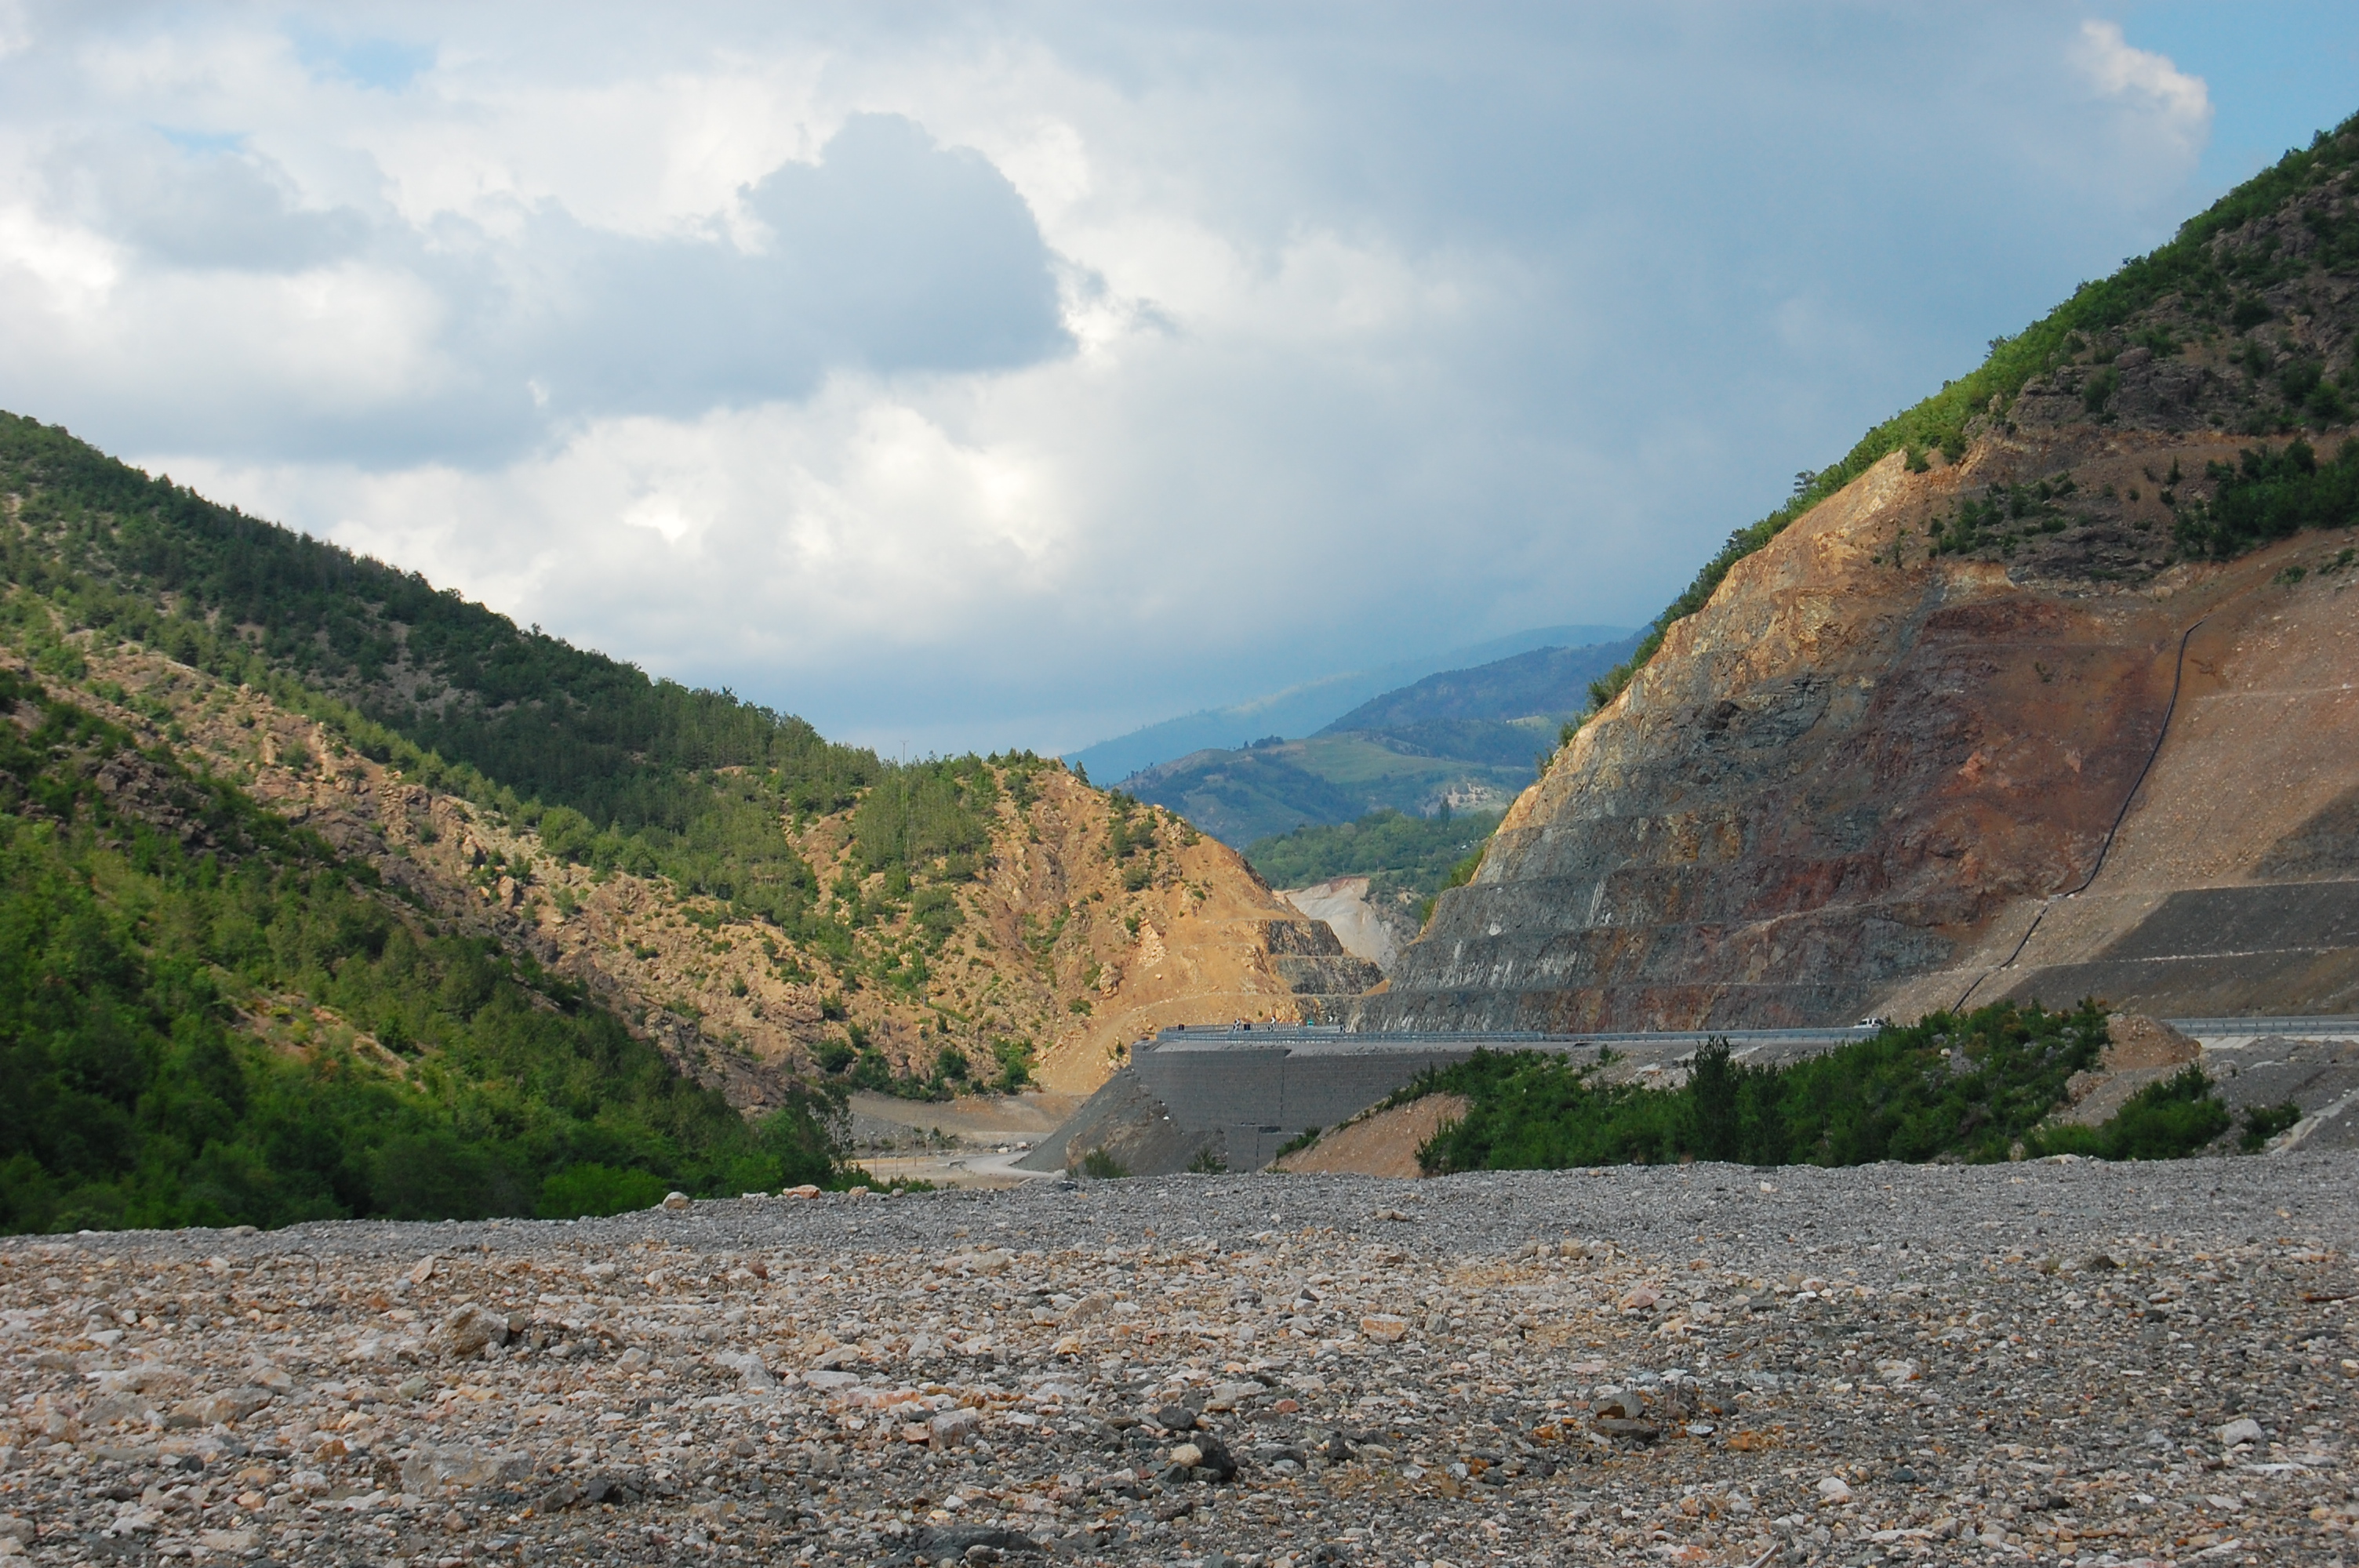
1230	1099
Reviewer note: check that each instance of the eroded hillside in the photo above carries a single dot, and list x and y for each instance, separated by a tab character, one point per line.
1086	921
1899	734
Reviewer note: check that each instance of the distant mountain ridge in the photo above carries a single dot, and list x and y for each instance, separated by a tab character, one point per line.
1467	740
1546	680
1303	708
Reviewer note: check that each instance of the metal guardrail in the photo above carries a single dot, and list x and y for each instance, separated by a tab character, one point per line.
2337	1026
1335	1035
1296	1035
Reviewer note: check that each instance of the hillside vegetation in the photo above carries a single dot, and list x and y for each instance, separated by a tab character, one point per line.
1418	856
208	1016
1975	1087
716	918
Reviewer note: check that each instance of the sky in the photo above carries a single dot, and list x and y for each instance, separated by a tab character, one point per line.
992	375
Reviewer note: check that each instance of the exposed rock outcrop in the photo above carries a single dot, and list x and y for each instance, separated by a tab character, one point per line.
1853	782
1991	727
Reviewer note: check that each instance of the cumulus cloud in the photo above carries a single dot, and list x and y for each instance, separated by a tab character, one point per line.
2170	103
1017	376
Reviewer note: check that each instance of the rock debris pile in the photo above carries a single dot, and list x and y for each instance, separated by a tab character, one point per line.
2055	1362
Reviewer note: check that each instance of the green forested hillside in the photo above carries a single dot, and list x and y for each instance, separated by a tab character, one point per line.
1417	855
206	1017
1468	738
619	770
1545	681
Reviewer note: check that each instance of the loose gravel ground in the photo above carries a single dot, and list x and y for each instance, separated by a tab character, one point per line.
2051	1362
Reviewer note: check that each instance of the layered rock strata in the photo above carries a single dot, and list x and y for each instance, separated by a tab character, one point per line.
1852	782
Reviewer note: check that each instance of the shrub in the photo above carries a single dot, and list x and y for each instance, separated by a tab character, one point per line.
1298	1142
593	1190
1014	1058
1102	1165
2272	494
2165	1120
1968	1088
2264	1122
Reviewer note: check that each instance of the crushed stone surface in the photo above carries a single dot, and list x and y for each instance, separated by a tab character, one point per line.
2070	1362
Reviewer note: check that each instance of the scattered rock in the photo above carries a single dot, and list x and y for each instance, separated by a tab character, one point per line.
2244	1428
954	1542
751	1368
951	1428
1088	1309
1527	1394
432	1471
468	1331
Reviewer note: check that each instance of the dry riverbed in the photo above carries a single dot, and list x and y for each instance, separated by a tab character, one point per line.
2049	1362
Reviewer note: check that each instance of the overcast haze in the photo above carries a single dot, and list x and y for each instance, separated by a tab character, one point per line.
1018	376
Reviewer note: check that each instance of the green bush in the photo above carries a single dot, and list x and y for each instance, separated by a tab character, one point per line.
1299	1141
2165	1120
2263	1122
1015	1057
1970	1087
2269	495
592	1190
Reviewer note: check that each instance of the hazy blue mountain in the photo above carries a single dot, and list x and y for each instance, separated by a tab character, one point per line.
1545	680
1465	739
1303	708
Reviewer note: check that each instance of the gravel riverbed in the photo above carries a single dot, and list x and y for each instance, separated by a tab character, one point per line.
2052	1362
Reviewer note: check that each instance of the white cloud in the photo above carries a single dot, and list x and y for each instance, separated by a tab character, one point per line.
1011	377
2172	104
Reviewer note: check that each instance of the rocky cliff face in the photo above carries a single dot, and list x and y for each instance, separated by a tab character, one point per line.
1849	783
1854	781
1881	770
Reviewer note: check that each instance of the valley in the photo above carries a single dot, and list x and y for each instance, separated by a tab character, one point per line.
1462	740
